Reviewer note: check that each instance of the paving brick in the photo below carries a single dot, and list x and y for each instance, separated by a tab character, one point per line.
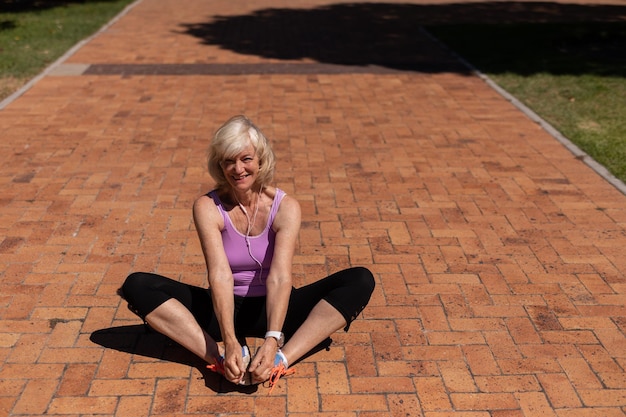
531	365
329	414
455	338
599	359
83	405
303	395
433	318
157	369
332	378
114	364
522	330
64	334
502	346
559	391
535	403
433	353
170	396
113	387
550	351
360	402
387	343
36	396
589	412
220	404
394	384
579	373
507	413
515	383
432	394
59	313
267	406
31	371
27	348
404	405
6	404
458	413
70	355
134	405
457	377
483	401
410	332
480	360
76	380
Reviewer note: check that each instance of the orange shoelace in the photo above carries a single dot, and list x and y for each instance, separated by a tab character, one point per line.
278	372
217	367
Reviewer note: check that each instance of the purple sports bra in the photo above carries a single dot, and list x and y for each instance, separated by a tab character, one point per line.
249	257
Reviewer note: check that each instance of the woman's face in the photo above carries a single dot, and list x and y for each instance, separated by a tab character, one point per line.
242	170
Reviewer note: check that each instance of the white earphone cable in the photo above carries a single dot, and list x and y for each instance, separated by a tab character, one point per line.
250	225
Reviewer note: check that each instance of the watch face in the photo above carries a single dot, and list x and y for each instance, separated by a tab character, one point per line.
278	336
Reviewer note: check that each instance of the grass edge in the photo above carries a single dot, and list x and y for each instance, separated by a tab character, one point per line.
71	51
532	115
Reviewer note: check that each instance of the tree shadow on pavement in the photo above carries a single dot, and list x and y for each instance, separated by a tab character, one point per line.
379	34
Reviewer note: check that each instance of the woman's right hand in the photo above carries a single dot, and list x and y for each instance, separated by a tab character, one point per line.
234	369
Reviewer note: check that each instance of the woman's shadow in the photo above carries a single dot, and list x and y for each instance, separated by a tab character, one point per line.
141	340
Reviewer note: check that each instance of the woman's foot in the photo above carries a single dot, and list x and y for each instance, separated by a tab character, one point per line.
279	370
218	366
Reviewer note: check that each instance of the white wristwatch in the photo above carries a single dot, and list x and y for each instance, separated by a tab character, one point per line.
279	336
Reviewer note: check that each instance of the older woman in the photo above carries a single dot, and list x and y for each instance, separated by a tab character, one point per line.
248	231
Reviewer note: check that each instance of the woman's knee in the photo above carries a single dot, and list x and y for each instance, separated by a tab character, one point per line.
135	283
365	279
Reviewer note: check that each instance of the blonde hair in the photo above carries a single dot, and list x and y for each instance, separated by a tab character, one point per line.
231	139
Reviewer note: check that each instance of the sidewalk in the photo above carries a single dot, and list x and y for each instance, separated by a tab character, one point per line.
499	256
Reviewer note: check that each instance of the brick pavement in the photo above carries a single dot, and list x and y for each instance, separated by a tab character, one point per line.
498	254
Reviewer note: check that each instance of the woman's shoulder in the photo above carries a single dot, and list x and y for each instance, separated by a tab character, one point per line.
209	199
217	198
288	211
284	199
208	206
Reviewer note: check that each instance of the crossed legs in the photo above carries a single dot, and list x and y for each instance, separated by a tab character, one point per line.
175	321
171	308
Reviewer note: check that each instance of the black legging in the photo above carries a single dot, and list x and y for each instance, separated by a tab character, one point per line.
348	291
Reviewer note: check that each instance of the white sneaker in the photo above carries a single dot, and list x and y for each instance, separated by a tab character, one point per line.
247	376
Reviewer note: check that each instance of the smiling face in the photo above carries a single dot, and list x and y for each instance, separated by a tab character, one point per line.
241	171
240	156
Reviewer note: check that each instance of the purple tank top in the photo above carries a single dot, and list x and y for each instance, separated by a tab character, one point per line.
243	253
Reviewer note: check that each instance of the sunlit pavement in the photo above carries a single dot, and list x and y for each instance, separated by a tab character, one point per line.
498	254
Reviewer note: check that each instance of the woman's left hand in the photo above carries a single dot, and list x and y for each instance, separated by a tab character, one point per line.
263	362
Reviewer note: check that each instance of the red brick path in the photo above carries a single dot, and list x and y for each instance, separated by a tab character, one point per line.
499	256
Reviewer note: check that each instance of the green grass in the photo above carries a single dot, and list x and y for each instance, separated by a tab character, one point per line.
33	34
571	75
